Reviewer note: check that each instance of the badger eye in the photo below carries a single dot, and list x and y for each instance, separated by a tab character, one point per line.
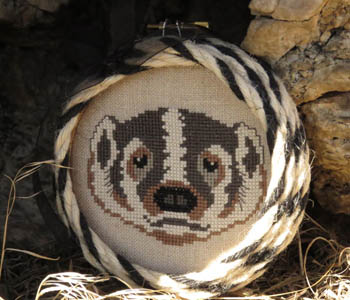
140	163
211	168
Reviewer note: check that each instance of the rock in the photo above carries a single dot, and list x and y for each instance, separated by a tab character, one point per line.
327	124
18	13
271	39
318	69
335	14
262	7
331	78
293	24
22	13
6	11
48	5
297	10
338	45
308	45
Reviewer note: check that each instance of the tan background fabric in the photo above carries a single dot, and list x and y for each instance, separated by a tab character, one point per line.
195	89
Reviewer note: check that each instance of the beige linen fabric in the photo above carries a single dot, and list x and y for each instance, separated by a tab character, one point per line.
122	220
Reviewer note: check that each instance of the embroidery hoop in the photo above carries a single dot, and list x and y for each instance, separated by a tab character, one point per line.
284	205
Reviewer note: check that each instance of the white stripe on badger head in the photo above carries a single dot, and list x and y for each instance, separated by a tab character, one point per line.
174	165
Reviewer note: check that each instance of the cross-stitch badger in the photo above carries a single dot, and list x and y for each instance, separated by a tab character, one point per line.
178	176
190	174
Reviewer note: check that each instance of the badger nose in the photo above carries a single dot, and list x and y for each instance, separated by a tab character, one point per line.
175	199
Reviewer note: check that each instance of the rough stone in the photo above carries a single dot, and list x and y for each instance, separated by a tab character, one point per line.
327	124
262	7
18	13
318	69
308	45
22	13
297	10
335	14
271	39
338	45
331	78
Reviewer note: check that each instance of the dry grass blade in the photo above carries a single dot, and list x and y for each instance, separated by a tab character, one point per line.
300	253
316	266
139	294
76	286
344	252
305	260
244	298
21	174
329	280
32	254
315	222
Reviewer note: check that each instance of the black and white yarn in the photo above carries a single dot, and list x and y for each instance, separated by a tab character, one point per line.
256	85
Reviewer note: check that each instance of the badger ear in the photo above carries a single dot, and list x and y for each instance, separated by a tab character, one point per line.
103	144
249	153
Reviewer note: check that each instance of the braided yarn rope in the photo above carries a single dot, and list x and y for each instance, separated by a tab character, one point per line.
152	200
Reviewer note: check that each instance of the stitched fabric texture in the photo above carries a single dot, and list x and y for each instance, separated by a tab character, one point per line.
188	168
172	158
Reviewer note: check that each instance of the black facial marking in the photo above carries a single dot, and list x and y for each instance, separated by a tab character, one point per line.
180	222
103	149
201	132
147	127
252	158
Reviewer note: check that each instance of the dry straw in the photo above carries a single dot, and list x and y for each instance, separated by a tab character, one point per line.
21	174
333	283
319	272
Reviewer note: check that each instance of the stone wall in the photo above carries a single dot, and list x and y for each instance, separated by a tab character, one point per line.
308	45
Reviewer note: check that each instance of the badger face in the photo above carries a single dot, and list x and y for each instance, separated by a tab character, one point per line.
176	175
